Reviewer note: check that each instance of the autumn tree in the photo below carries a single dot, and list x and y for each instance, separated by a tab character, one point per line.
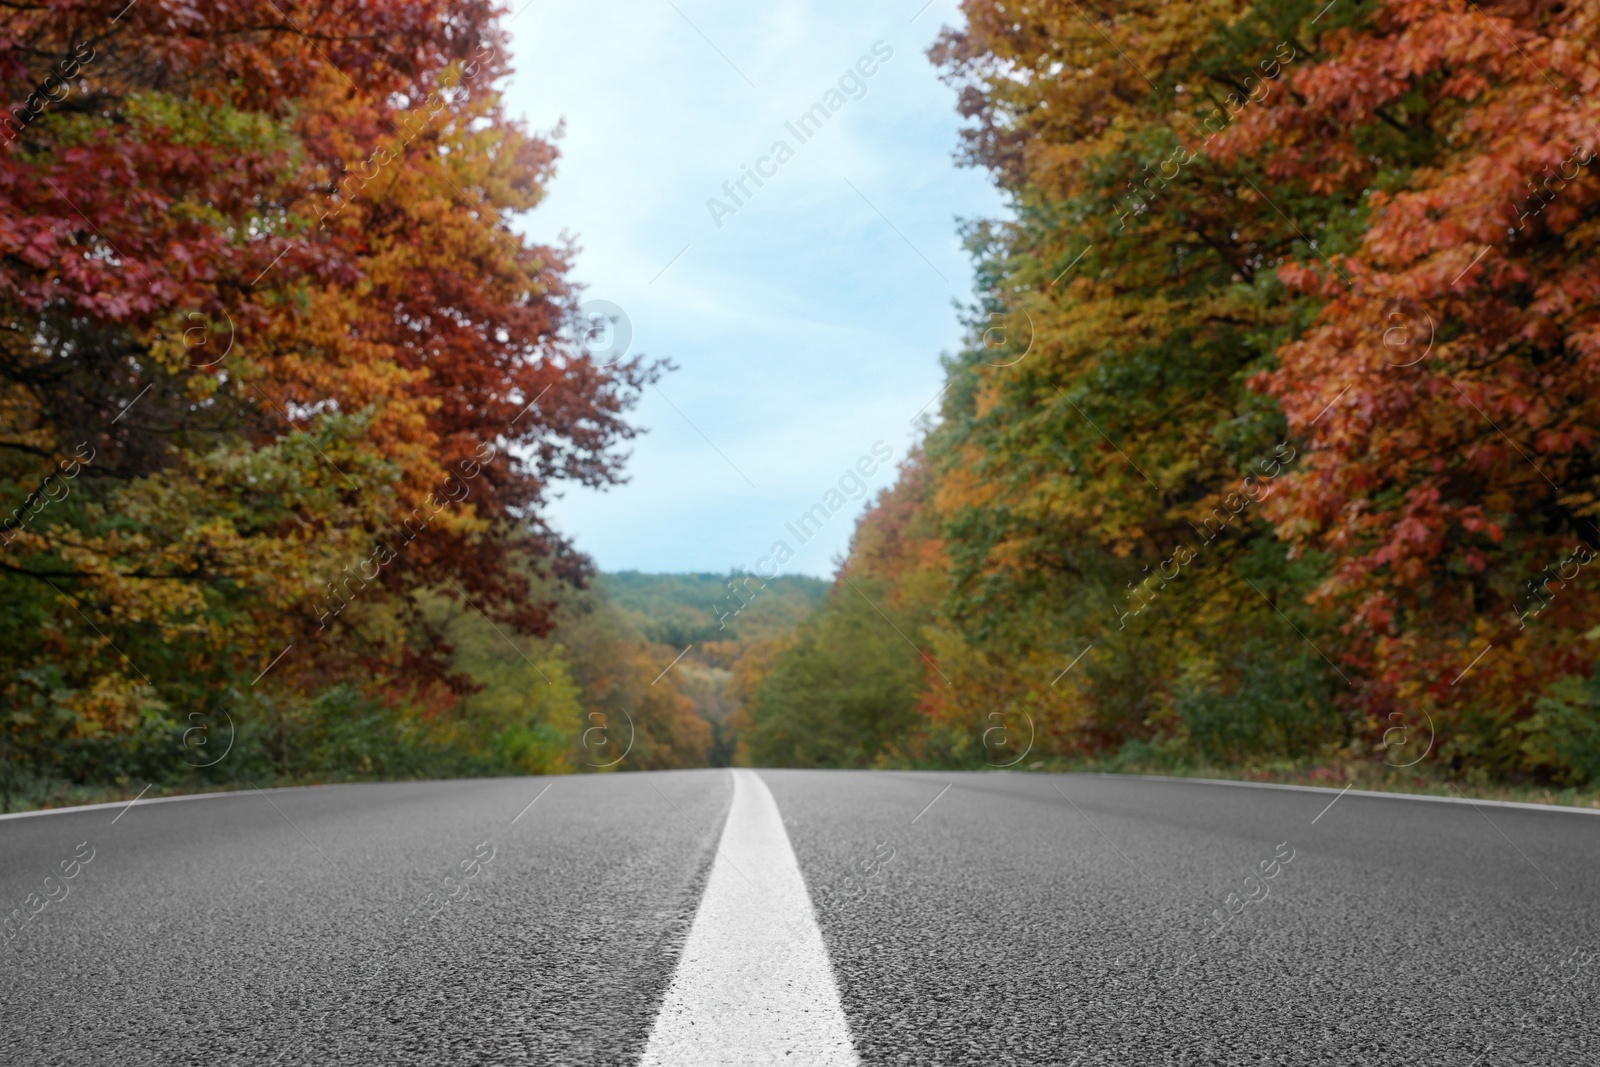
1273	426
1446	392
1101	461
274	359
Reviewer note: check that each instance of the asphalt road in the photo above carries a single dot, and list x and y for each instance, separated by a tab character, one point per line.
1029	919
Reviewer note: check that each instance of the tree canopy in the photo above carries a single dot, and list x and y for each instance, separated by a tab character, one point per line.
275	362
1274	428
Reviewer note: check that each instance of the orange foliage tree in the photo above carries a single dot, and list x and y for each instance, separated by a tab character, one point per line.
1319	275
1449	390
274	359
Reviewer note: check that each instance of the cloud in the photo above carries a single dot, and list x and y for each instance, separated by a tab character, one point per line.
806	328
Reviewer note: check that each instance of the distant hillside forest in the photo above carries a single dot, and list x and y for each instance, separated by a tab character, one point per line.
727	623
710	609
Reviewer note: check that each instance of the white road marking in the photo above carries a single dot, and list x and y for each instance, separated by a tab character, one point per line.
1429	797
754	985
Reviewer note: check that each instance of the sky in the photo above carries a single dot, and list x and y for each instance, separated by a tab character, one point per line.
805	315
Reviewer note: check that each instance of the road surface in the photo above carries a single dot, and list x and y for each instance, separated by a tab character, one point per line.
833	917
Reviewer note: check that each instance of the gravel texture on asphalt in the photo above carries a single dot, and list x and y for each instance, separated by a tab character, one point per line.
1063	919
1020	919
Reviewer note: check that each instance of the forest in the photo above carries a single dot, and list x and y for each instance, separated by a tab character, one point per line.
1282	458
1273	443
283	397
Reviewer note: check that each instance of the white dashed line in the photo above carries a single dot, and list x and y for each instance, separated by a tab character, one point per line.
754	985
